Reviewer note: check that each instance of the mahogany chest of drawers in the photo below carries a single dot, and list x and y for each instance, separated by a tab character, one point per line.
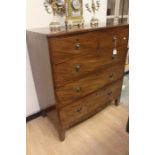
82	70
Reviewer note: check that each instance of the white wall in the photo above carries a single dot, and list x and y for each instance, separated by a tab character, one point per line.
36	16
32	104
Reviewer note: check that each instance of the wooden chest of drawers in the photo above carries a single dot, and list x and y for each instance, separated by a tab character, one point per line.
81	69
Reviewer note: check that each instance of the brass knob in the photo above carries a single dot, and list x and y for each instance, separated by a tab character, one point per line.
110	93
77	67
77	46
79	109
124	38
78	89
111	75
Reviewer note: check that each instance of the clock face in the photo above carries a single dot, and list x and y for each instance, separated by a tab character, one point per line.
60	2
76	4
74	16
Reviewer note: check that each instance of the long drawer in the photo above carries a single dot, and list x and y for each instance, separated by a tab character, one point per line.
64	48
75	90
80	66
76	111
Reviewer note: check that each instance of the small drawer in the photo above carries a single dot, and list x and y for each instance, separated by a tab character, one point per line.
75	90
114	37
122	35
64	48
76	111
81	66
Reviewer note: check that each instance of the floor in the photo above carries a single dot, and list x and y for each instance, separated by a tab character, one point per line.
102	134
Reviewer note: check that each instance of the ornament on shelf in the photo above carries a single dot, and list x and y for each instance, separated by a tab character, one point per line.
57	7
92	9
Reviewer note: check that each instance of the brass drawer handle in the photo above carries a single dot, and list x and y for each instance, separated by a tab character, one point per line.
114	38
77	46
124	38
111	75
78	89
115	41
79	109
110	93
113	56
77	67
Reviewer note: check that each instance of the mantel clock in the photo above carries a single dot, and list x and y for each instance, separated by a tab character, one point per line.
74	13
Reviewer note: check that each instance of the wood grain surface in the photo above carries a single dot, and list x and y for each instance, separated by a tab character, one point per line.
89	84
109	36
65	48
87	63
76	111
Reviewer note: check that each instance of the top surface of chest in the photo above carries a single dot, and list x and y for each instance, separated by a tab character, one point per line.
64	31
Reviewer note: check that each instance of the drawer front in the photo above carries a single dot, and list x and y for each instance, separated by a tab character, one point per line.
122	36
76	111
75	90
114	37
64	48
81	66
